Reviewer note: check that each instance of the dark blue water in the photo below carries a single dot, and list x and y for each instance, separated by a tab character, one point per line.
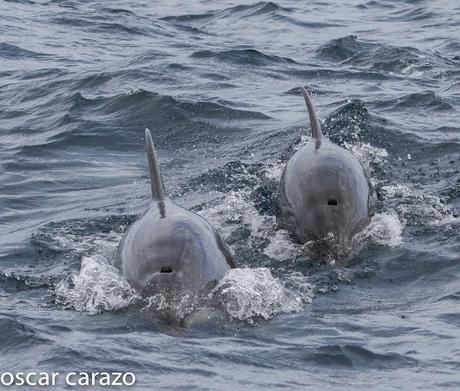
217	84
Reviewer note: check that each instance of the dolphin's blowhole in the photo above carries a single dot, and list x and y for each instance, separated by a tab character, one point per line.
332	201
166	269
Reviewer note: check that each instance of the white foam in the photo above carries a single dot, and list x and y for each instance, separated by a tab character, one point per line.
367	154
417	207
249	294
274	171
235	210
62	239
281	246
395	191
385	229
97	287
180	305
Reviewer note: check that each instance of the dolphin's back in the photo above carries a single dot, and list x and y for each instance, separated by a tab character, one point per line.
322	188
173	249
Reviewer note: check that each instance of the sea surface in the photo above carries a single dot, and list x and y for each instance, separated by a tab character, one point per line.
217	83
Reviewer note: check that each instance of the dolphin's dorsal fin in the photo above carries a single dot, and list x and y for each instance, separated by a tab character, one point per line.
316	132
158	190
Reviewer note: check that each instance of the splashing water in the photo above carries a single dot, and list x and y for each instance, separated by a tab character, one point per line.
237	210
281	247
274	171
385	229
248	294
97	287
367	154
244	294
175	307
416	207
395	191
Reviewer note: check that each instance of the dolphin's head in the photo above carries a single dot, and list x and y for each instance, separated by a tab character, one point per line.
172	257
172	252
331	199
170	260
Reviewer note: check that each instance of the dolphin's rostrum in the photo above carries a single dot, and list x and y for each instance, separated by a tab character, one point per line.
170	250
325	197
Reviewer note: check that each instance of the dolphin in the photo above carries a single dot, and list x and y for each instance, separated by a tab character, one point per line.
170	250
325	197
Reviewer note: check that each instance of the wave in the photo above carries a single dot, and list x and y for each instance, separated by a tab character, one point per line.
259	8
353	122
117	11
412	14
14	282
242	56
111	120
100	26
427	100
381	57
16	336
145	104
340	74
355	356
13	52
341	49
240	11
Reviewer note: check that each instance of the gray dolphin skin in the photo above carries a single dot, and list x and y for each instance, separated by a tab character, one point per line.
171	250
325	198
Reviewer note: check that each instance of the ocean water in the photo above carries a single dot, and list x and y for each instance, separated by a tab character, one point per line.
218	85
